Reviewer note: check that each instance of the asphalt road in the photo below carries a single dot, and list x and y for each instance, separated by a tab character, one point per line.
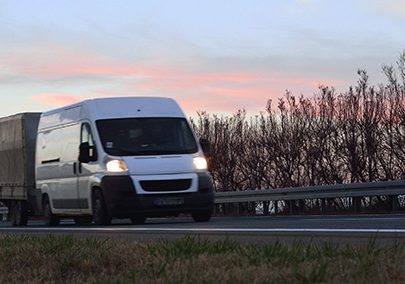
257	229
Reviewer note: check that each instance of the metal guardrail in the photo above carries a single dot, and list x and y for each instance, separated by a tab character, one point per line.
380	188
365	189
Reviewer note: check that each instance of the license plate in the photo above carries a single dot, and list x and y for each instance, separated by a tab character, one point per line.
169	201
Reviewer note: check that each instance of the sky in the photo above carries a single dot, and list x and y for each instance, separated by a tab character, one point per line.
216	56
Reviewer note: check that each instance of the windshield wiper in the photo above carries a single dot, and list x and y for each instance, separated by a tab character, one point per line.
163	152
124	151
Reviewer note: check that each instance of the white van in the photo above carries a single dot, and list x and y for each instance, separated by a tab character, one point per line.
121	157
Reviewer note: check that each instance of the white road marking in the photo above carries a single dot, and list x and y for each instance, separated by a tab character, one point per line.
353	219
199	230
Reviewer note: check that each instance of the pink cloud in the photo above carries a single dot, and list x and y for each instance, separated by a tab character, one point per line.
183	80
56	99
226	90
218	104
305	83
247	92
192	80
50	62
119	70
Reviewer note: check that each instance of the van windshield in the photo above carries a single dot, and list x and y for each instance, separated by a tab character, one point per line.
146	136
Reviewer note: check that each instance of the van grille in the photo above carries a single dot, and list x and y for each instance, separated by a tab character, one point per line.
166	185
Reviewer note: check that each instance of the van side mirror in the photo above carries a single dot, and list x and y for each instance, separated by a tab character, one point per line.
87	153
206	146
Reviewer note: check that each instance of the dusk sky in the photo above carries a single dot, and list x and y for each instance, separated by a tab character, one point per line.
217	56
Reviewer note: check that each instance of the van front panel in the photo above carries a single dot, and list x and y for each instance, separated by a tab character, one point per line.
123	200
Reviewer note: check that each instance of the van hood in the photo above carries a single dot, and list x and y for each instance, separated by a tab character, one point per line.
151	165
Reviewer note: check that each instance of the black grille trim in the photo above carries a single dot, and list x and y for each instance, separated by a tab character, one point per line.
166	185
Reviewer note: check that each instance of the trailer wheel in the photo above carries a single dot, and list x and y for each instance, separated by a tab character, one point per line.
50	218
201	215
100	214
19	213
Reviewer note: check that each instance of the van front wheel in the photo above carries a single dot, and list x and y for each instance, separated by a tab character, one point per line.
100	214
201	215
83	220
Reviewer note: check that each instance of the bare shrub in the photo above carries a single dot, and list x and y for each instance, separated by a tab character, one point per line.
329	138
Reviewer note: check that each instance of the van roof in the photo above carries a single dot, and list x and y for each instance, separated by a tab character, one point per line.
115	107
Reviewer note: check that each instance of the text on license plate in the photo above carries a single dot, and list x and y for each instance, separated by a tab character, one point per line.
169	201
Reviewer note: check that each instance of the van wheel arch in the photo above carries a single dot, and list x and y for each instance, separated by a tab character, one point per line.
50	218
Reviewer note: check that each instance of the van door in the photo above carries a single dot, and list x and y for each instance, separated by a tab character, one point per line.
67	199
86	170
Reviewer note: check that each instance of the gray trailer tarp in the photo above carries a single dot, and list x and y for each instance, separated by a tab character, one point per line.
17	156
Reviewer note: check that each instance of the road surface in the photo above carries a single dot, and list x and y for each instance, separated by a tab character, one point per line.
254	229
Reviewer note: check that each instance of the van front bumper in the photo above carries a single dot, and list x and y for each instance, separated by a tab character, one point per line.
122	200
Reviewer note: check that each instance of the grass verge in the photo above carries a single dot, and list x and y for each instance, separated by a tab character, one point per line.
56	259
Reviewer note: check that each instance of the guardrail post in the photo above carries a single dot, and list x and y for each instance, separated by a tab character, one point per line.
356	204
266	205
394	203
323	205
301	205
216	209
291	204
275	206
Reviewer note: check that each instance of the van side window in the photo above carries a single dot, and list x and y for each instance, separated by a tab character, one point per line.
87	136
58	144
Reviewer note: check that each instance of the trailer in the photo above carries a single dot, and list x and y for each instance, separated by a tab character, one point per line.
18	192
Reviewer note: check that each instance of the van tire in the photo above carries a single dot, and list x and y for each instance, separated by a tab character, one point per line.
138	219
83	220
50	218
19	213
201	215
100	214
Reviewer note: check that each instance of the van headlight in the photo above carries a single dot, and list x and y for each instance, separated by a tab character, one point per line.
116	166
200	163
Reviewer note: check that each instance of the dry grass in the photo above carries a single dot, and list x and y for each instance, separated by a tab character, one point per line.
52	259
